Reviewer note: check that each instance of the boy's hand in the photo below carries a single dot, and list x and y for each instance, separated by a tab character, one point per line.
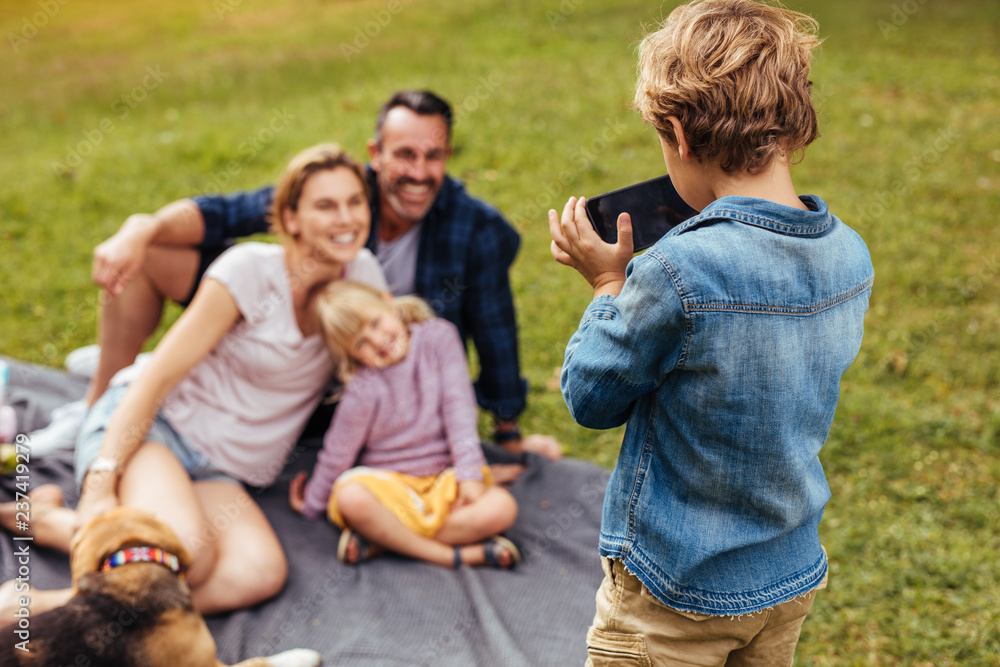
297	492
576	244
468	492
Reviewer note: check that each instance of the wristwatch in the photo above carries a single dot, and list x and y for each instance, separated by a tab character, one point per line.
103	464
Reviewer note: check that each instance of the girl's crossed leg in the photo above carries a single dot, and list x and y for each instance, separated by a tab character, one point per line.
466	527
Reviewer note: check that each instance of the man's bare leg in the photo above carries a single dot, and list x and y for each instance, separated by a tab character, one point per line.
129	319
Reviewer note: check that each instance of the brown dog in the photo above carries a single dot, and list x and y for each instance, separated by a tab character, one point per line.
138	613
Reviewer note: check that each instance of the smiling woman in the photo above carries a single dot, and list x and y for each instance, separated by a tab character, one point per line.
332	216
227	391
321	209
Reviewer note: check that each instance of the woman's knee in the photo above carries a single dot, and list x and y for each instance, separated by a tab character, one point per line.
203	548
270	575
254	571
250	564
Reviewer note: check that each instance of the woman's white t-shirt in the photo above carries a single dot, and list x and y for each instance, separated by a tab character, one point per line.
245	404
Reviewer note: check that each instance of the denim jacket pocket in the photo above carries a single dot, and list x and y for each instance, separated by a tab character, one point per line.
606	649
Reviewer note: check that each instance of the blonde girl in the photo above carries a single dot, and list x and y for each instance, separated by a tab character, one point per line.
402	467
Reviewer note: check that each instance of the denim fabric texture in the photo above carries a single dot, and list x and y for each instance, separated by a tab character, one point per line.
91	438
723	354
463	262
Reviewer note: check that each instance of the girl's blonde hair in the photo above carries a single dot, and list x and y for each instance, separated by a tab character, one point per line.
344	307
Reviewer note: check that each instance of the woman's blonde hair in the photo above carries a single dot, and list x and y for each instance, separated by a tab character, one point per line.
314	159
736	75
345	307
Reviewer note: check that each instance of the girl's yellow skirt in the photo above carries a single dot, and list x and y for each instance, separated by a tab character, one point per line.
421	503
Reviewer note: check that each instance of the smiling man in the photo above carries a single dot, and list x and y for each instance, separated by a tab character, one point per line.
431	237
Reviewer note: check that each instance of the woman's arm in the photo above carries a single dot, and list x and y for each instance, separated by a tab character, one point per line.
212	313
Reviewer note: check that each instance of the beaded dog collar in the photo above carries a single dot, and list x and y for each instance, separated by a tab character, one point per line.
143	555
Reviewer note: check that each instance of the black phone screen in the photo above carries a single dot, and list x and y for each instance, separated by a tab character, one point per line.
654	205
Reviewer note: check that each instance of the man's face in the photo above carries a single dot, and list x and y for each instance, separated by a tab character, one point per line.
410	163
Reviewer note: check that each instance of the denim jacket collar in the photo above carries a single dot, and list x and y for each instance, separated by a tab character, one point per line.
769	215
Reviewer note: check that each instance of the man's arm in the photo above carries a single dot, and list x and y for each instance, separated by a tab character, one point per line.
235	216
204	221
118	259
489	319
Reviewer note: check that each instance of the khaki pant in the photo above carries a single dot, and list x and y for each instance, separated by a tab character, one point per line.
632	627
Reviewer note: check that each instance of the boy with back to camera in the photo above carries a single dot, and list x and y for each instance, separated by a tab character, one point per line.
721	348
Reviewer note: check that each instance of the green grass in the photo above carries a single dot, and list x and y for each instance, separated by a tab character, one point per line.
910	156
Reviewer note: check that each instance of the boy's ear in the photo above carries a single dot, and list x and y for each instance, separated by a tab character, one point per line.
683	147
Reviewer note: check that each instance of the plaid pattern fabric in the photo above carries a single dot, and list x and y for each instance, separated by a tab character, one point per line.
463	262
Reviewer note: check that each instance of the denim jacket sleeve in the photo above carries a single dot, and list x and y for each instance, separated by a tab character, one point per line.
234	216
625	346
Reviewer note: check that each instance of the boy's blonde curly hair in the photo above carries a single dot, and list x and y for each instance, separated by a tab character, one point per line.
736	75
344	307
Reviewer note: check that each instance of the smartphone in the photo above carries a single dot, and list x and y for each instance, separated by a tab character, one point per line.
654	205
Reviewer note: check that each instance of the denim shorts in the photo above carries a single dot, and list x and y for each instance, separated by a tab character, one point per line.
88	443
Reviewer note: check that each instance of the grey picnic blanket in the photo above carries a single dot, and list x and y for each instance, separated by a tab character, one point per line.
389	611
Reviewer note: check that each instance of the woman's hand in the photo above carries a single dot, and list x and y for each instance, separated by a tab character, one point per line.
468	492
576	244
98	497
297	492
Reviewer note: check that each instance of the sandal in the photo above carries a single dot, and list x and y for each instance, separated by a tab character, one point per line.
492	549
365	549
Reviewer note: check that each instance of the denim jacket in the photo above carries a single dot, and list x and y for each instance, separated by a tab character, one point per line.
723	354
